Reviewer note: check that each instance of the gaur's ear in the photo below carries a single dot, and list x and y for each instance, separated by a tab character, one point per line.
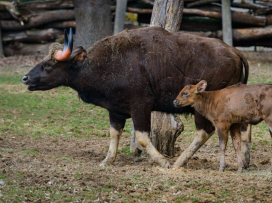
201	86
78	55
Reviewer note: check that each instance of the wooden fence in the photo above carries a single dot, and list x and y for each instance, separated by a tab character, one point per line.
30	27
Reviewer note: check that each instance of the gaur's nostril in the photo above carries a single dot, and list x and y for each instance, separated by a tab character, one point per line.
25	79
175	101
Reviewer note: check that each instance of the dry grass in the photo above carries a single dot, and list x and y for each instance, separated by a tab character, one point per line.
51	144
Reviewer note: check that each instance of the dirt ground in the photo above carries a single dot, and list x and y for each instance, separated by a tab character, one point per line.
66	168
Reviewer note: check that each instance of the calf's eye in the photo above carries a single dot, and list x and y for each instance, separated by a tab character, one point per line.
185	94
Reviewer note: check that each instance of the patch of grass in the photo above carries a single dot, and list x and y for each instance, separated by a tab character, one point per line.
224	193
126	151
77	175
2	176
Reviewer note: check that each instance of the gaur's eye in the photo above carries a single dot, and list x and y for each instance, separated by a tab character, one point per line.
185	94
46	66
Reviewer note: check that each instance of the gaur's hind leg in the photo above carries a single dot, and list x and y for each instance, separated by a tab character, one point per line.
245	144
223	140
142	122
235	132
204	131
117	124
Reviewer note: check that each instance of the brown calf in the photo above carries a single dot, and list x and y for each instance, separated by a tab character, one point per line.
228	108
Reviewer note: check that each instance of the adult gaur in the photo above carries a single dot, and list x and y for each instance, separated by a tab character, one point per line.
139	71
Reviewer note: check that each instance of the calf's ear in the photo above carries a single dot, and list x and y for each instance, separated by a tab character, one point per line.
78	55
201	86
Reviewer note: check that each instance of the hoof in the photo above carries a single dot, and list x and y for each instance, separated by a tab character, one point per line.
246	164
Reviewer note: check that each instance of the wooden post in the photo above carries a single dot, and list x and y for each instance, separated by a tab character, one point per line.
1	45
226	22
120	16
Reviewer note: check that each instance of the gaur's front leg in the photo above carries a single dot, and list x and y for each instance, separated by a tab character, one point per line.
235	132
223	140
204	131
142	122
245	144
117	124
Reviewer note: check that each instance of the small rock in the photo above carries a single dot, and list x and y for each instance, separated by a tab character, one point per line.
2	182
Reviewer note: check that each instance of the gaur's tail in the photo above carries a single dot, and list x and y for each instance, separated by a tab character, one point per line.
244	60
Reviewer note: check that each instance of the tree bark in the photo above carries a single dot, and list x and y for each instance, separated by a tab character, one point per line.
93	21
167	14
165	128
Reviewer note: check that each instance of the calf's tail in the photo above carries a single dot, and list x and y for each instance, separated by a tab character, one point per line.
245	63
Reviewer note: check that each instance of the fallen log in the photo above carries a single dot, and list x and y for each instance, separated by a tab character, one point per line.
260	42
5	15
237	17
38	20
202	2
33	36
61	25
269	19
54	4
19	48
201	34
248	5
14	12
249	34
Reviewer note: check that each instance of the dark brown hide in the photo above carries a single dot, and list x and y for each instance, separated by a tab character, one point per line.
143	70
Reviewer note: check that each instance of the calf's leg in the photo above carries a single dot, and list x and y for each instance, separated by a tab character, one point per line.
235	132
141	120
204	131
117	124
245	144
223	140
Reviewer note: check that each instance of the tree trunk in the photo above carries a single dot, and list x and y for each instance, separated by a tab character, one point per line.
93	21
165	128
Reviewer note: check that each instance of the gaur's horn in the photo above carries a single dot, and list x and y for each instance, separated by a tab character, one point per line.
67	49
